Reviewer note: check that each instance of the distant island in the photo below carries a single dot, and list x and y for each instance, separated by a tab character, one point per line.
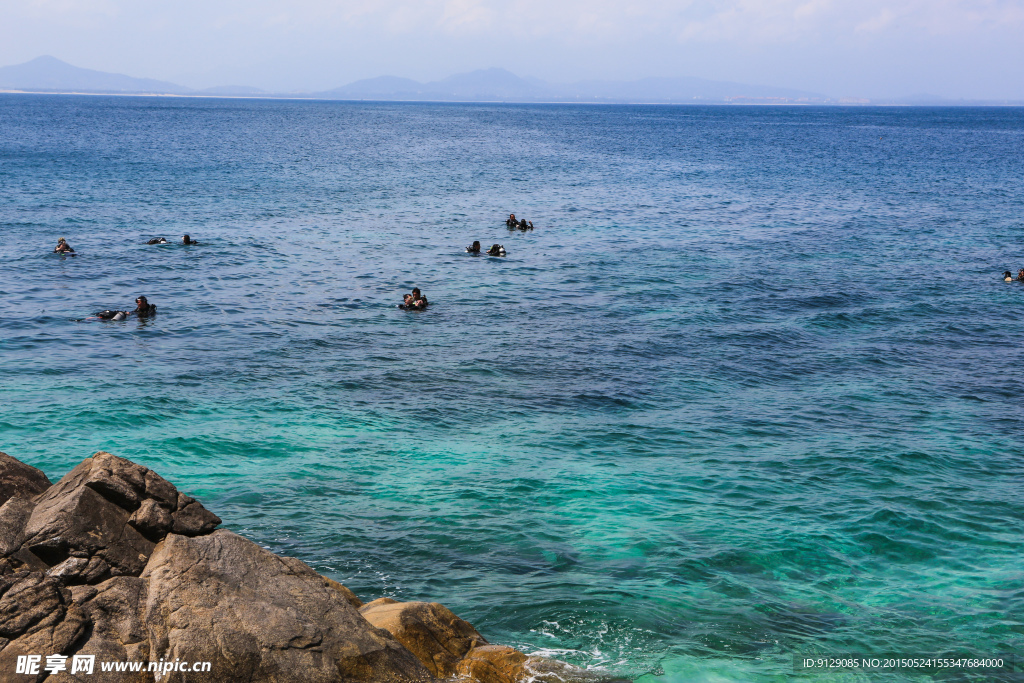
50	75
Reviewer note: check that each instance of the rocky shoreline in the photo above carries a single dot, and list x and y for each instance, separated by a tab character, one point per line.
113	565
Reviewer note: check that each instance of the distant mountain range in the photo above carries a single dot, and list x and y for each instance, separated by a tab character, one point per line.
49	74
502	86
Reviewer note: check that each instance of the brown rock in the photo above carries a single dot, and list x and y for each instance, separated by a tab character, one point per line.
69	521
192	519
52	638
19	479
258	617
429	630
152	519
14	515
107	508
493	664
30	601
118	633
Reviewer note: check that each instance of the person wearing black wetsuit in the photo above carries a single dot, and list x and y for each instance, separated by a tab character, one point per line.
185	239
143	308
475	248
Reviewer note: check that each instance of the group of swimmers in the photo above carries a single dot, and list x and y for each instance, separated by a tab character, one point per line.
416	301
514	224
495	250
143	309
64	248
1008	277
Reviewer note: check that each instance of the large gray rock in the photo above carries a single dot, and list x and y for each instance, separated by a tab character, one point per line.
19	479
109	512
259	617
78	522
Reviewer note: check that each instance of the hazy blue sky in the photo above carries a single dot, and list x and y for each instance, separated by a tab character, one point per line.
869	48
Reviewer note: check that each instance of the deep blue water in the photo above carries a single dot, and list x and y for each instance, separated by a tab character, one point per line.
751	388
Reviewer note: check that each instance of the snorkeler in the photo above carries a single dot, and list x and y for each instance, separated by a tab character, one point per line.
63	247
157	240
496	250
185	239
475	248
1007	276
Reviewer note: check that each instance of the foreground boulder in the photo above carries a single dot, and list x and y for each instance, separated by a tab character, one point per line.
112	565
437	637
19	480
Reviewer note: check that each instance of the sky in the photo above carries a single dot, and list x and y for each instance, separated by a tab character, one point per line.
971	49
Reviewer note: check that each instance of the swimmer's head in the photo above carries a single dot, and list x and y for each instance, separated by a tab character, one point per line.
186	239
1007	273
416	292
61	241
141	301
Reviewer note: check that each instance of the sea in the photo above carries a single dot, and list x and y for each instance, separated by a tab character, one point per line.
749	393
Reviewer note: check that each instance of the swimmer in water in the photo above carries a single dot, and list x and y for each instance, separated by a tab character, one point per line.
1020	275
511	221
144	309
63	247
496	250
475	248
414	302
1007	276
185	239
157	240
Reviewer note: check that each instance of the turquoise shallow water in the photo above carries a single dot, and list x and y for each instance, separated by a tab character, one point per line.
750	389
